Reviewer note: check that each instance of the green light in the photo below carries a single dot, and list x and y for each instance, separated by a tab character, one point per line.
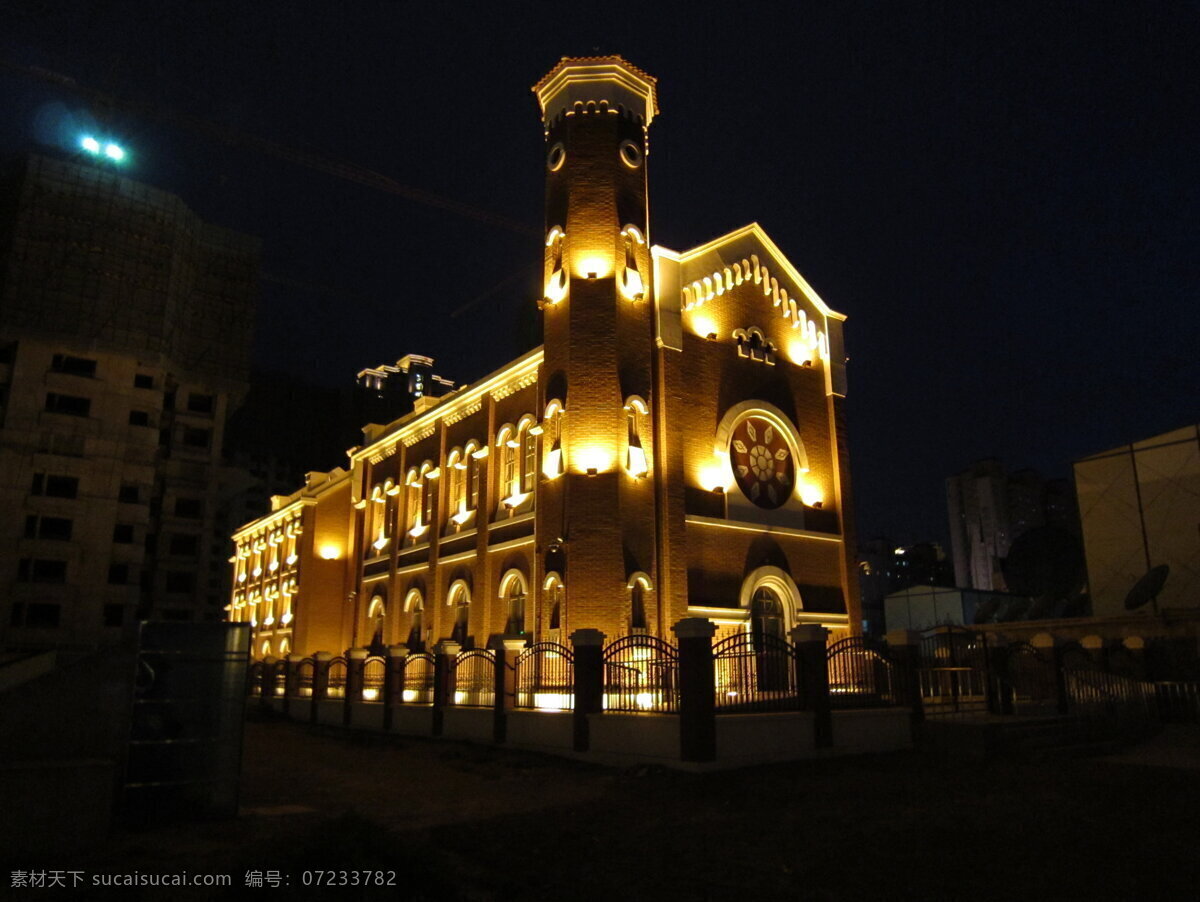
114	152
90	144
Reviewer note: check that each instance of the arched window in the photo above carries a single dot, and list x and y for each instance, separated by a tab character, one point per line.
528	441
285	648
766	613
472	455
459	599
456	484
552	451
555	593
636	415
413	527
639	584
507	443
428	475
266	648
631	279
513	591
376	616
414	606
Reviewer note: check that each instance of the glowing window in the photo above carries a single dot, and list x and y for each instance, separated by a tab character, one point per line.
513	592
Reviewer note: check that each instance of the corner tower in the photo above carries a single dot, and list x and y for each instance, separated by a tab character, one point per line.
598	521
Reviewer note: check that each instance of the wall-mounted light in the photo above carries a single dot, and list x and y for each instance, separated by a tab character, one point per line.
330	552
592	471
711	336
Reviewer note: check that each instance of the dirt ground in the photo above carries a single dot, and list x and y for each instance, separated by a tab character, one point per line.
461	822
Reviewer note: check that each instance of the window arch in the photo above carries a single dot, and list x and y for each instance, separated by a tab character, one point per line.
772	599
555	594
636	417
376	621
528	441
459	600
428	474
507	444
413	527
639	584
553	463
513	592
265	650
472	455
285	647
457	511
414	606
764	452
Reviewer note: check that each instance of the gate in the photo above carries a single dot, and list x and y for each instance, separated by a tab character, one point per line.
545	677
861	674
374	674
755	672
336	685
416	680
954	672
304	678
1028	681
475	678
641	674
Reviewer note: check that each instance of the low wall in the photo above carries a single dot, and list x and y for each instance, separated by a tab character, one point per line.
744	739
331	711
634	738
412	720
366	715
872	730
472	724
543	731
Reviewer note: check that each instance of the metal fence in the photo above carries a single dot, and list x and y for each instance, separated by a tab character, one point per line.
1108	704
304	678
755	672
336	685
861	674
474	678
276	679
954	672
374	675
254	678
416	680
545	677
1178	702
641	674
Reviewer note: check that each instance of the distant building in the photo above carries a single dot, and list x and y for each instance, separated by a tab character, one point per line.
385	393
125	326
1140	507
989	509
923	607
884	567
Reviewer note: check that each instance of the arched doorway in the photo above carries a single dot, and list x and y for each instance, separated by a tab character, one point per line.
767	614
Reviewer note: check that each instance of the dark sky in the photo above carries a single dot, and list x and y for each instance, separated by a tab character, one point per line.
1002	198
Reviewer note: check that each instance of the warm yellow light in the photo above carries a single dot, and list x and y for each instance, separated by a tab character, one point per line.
631	284
460	697
330	552
292	558
800	352
370	695
592	457
593	267
811	494
409	695
552	464
553	701
715	475
286	618
702	325
636	463
644	699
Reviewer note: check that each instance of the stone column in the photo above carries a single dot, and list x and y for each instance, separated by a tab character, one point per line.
506	651
393	681
269	678
291	675
812	679
588	645
445	653
320	683
356	662
697	688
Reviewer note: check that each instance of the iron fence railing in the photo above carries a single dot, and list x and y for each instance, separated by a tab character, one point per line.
1027	680
304	678
474	678
641	674
1110	704
374	675
861	674
416	680
254	679
544	677
755	672
1178	702
336	679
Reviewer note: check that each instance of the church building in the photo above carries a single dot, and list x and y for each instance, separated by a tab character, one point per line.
675	448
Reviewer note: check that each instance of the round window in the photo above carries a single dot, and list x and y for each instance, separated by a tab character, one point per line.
762	461
631	154
556	156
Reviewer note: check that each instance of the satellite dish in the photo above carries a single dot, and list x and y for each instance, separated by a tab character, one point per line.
1147	588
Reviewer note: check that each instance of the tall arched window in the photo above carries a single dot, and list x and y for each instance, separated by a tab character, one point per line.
639	584
428	475
413	527
459	600
766	613
555	595
507	444
636	415
414	606
472	455
376	617
456	494
528	441
513	590
285	648
552	451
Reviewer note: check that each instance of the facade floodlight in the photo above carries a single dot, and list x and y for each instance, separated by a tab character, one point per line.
90	144
114	152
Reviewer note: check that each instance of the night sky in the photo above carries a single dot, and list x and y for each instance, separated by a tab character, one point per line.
1002	199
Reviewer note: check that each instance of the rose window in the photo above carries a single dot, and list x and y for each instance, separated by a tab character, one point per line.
762	462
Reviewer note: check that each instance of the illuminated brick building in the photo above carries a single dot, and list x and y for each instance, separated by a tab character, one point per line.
676	448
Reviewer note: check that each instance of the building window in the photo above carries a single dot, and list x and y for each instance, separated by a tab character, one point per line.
189	508
200	403
143	380
195	437
414	528
187	546
114	614
459	600
70	405
129	493
639	584
53	528
512	593
55	486
376	616
123	533
414	606
41	570
75	366
427	492
528	456
636	414
552	450
38	615
472	455
118	574
139	418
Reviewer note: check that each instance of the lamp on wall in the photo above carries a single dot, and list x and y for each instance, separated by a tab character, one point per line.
592	471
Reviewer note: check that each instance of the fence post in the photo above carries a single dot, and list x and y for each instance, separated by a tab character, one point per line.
506	651
393	676
1048	645
267	692
588	648
320	686
905	646
291	673
697	689
812	679
445	654
356	663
